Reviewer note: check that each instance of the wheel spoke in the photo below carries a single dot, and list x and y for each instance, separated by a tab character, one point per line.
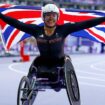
26	94
23	91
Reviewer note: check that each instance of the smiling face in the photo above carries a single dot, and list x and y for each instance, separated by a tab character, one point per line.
50	19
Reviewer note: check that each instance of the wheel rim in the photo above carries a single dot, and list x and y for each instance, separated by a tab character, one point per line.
34	93
74	85
23	92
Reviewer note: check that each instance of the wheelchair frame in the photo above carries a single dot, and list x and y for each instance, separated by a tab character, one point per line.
65	78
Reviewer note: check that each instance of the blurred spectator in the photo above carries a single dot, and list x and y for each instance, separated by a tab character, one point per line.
34	2
102	48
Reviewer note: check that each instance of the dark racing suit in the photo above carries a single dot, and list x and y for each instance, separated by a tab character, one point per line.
51	48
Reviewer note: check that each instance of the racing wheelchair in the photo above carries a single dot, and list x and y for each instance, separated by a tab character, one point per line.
56	78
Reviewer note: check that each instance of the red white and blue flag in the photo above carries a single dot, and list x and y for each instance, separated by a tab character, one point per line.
32	15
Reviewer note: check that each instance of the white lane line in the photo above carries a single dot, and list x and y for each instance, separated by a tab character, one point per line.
90	78
89	84
90	73
93	66
83	83
80	77
15	70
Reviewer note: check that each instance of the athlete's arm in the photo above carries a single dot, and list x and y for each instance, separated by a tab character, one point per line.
73	27
28	28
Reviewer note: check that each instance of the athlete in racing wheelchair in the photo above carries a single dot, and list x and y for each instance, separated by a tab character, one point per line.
54	75
50	39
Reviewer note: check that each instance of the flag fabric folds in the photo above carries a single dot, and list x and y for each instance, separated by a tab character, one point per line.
32	15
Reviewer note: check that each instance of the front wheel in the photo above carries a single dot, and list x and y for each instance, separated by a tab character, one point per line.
23	91
71	82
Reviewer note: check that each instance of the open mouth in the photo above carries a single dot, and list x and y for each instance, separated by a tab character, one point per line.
51	20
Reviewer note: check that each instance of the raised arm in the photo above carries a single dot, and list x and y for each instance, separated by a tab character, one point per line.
28	28
87	24
73	27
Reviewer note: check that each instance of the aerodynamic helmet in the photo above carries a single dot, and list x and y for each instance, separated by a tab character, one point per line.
50	8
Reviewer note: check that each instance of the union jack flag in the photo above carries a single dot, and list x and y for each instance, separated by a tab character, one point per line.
32	15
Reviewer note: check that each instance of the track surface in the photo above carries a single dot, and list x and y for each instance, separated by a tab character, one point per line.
90	70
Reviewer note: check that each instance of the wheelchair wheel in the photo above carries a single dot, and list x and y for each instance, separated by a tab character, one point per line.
34	90
23	91
71	82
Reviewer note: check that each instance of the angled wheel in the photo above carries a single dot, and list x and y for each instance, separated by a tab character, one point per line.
72	86
23	91
34	90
